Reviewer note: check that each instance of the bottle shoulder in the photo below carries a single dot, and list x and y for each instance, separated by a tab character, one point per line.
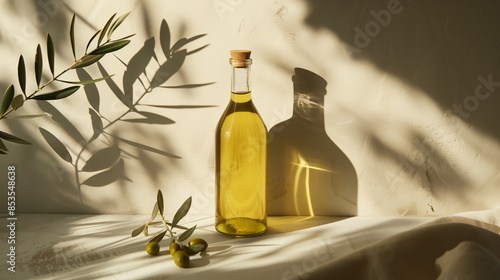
244	107
242	115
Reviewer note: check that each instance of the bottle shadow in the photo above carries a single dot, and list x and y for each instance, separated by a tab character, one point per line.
308	174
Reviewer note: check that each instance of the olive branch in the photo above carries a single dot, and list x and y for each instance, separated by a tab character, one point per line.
104	45
169	226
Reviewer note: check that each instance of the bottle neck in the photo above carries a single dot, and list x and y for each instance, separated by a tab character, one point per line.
241	97
240	79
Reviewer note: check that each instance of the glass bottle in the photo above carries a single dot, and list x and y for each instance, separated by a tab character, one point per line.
241	158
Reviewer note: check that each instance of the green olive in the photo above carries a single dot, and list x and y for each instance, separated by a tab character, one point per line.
196	241
181	259
174	248
153	248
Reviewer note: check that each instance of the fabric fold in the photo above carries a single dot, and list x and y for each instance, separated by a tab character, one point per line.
413	254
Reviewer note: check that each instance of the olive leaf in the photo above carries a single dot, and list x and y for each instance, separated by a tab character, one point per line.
91	39
85	82
183	210
138	230
58	94
159	200
87	60
21	74
56	145
50	53
178	226
105	28
110	47
2	146
38	65
155	211
7	99
123	38
12	138
159	237
27	116
186	234
72	35
17	102
193	249
145	230
117	23
102	159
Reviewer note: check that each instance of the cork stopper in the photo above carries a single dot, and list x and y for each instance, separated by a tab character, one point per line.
240	58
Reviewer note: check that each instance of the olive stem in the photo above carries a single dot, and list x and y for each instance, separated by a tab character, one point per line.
166	226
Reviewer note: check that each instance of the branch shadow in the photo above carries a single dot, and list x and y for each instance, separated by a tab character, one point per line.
137	113
445	48
445	52
101	159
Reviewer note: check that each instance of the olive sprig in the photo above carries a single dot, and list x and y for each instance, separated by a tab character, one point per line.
11	102
179	252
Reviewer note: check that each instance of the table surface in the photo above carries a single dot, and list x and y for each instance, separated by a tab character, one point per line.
77	246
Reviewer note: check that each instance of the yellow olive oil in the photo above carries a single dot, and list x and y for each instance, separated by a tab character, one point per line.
241	159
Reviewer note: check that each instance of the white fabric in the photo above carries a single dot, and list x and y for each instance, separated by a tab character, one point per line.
468	261
100	247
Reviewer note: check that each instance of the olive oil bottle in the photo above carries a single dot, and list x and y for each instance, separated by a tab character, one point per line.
241	158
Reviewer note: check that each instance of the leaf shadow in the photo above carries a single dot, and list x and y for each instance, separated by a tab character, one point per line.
180	106
63	122
114	87
115	173
150	118
136	66
56	145
90	89
143	146
169	68
102	159
165	38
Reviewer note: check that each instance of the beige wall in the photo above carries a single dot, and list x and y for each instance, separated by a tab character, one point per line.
408	100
